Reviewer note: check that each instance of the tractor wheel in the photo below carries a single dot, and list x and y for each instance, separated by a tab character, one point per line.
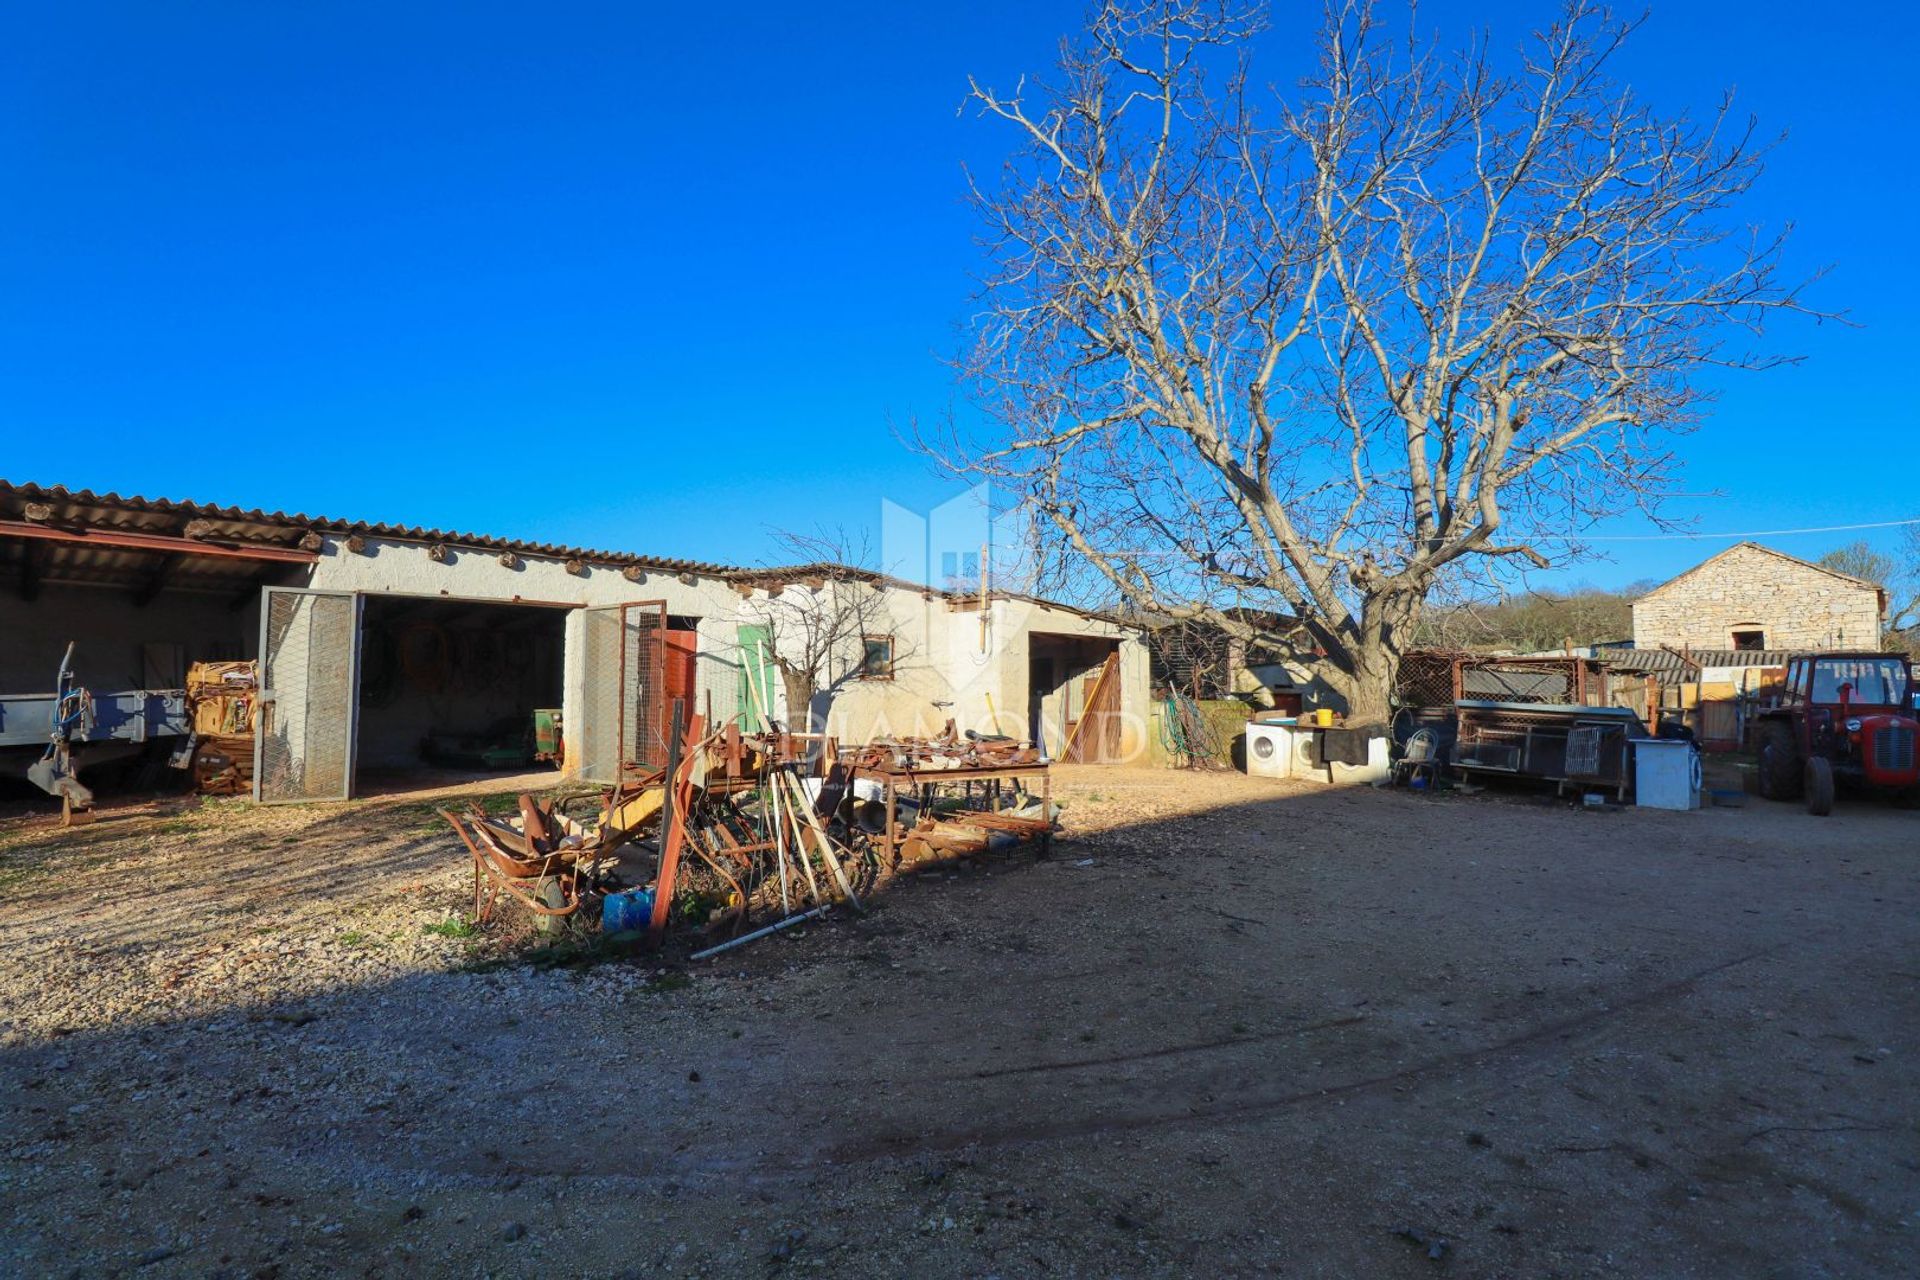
1910	798
1779	764
1819	786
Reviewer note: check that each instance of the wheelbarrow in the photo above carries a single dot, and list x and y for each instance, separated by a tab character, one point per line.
544	862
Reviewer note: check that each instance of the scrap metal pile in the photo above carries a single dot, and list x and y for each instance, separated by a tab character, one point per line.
928	799
751	829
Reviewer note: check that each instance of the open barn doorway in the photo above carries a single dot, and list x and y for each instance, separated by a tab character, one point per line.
451	690
1073	697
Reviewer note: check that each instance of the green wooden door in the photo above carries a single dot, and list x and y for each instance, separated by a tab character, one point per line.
756	675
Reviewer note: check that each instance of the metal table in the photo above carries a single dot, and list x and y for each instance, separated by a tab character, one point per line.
895	780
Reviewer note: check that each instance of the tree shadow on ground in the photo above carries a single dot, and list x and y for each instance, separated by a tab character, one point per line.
1221	1040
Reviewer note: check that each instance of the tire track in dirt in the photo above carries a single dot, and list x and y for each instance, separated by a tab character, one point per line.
688	1164
895	1145
1144	1055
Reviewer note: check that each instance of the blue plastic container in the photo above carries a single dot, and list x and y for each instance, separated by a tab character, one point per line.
626	912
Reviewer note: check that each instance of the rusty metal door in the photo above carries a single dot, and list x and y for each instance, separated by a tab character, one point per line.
624	691
304	734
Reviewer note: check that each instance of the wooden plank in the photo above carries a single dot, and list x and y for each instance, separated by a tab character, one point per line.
676	833
1102	708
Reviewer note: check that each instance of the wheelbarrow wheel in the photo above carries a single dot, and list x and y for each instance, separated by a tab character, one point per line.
551	895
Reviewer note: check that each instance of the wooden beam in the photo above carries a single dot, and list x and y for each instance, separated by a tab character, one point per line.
246	595
157	580
125	540
33	567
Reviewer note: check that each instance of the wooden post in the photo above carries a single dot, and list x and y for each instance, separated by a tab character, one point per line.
825	843
672	834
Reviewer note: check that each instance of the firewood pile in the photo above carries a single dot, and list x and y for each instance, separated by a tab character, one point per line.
222	699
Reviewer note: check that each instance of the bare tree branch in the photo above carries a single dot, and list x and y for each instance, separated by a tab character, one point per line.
1315	352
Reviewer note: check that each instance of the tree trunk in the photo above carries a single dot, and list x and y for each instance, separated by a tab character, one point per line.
799	686
1373	670
1368	689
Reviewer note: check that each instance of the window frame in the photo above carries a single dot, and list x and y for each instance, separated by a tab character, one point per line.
866	668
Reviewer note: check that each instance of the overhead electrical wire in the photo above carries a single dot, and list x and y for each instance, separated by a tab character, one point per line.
1142	553
1690	537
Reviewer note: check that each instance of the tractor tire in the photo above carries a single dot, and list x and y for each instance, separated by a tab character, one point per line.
1780	771
1819	786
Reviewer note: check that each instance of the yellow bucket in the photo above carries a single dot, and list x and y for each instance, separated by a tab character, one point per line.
1323	717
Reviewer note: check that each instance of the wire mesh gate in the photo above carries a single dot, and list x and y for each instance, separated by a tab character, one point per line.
624	705
309	663
1436	678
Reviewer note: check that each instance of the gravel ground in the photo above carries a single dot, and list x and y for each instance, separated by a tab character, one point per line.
1230	1027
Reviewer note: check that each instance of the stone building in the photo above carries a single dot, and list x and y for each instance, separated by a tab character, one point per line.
1751	597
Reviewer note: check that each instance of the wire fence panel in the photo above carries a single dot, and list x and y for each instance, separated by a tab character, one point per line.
1426	680
598	733
1434	678
307	673
644	715
721	684
623	729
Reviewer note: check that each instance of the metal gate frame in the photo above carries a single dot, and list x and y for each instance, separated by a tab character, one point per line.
638	678
269	696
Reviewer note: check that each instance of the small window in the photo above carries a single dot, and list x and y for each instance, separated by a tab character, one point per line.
876	658
1749	641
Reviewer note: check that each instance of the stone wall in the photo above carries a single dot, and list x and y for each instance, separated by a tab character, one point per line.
1748	587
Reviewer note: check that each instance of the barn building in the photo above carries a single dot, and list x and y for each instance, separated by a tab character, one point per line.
1753	598
376	639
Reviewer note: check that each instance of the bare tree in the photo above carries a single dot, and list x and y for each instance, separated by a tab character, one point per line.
1427	316
1897	574
820	610
1904	621
1530	621
1860	560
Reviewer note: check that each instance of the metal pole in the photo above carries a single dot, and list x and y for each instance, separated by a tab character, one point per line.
761	932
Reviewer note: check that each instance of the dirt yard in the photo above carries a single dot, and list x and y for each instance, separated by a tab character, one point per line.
1230	1027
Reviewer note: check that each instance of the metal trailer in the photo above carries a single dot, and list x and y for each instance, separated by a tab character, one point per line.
1571	747
127	715
73	727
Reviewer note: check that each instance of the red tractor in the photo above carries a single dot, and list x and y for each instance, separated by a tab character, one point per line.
1844	718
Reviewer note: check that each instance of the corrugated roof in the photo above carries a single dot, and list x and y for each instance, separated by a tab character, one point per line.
283	528
132	513
761	577
1668	660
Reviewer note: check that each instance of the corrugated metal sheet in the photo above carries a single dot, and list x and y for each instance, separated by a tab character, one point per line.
69	562
1668	662
133	513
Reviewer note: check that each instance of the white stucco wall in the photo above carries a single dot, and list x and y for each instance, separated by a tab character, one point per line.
391	567
941	668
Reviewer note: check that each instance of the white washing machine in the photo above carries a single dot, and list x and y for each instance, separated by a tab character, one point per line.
1270	750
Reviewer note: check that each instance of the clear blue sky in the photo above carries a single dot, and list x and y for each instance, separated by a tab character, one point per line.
527	269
